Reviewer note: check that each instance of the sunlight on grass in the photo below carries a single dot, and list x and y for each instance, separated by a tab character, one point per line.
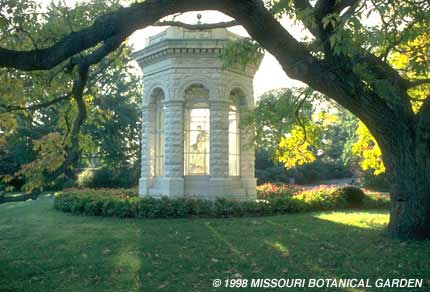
129	260
42	249
278	246
367	220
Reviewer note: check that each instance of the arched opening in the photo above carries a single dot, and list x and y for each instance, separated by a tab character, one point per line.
196	131
156	138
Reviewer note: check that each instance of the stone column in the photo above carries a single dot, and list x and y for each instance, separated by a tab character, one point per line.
145	180
218	183
173	181
247	163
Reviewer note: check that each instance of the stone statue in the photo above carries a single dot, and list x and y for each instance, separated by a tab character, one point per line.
198	150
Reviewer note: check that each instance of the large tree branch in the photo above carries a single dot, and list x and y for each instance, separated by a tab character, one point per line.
305	12
313	16
383	71
10	108
380	70
109	45
325	7
296	59
335	81
121	22
93	58
340	84
83	65
72	151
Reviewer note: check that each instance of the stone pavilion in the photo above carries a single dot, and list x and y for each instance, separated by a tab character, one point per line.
192	140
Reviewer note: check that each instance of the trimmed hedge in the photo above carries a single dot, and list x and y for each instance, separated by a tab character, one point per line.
148	207
126	203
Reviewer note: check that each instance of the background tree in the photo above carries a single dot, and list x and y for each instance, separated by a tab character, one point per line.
41	124
304	133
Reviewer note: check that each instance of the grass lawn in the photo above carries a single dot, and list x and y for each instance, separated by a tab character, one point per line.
45	250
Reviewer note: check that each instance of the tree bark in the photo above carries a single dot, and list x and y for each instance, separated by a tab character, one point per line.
408	167
410	206
405	147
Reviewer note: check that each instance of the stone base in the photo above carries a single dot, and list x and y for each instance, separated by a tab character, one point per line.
204	187
250	186
227	188
219	187
172	186
144	185
211	188
167	187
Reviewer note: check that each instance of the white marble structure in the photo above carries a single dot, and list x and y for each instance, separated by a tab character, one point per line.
192	144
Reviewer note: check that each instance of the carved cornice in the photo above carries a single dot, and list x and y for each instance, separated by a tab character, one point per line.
171	47
195	48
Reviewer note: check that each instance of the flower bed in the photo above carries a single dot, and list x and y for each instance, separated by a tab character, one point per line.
270	190
272	200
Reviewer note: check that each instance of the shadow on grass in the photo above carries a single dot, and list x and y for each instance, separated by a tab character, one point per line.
45	250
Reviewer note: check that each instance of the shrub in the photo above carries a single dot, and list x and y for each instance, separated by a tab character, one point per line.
122	177
126	203
321	198
353	196
286	205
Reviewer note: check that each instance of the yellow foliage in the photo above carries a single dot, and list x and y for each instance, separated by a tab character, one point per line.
296	148
7	124
401	61
366	146
368	150
293	150
325	119
419	93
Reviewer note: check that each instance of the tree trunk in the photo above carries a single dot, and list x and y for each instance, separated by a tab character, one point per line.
410	204
408	166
